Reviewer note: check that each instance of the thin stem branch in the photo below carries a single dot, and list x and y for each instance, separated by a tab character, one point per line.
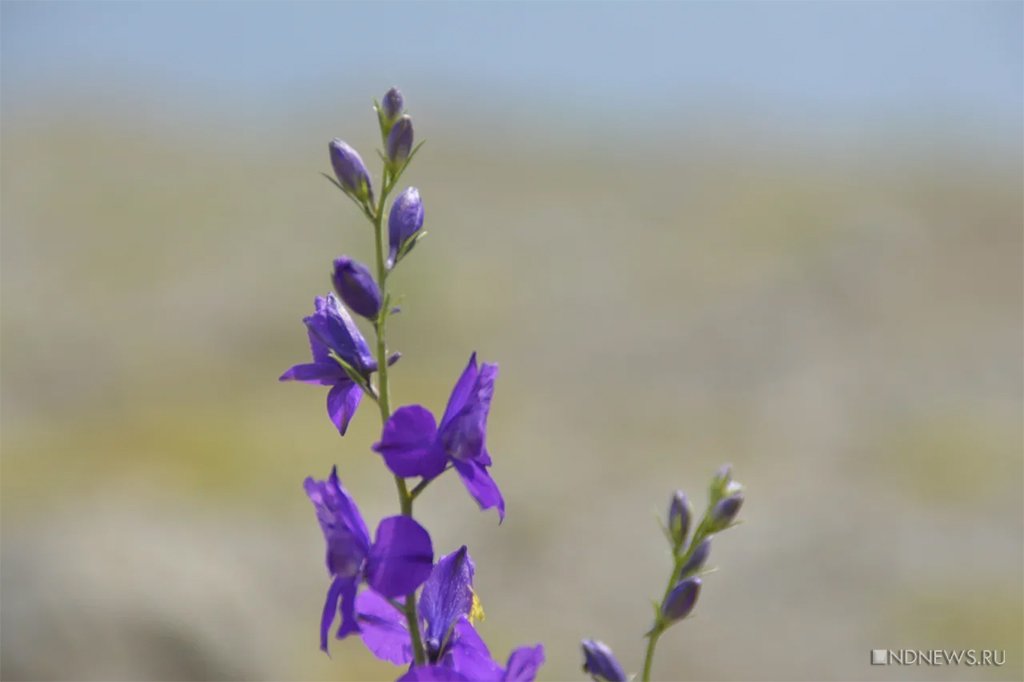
659	624
384	395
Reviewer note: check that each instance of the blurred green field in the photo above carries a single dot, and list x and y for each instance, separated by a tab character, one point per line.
841	320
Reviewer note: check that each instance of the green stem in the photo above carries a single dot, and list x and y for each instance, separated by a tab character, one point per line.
677	569
384	399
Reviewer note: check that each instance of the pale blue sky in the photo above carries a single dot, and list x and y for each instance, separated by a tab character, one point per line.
795	61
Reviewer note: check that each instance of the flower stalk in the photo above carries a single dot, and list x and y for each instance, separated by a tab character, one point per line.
384	395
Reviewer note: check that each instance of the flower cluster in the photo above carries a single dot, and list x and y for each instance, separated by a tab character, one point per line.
409	609
374	584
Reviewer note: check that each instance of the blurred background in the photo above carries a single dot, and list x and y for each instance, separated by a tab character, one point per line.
782	235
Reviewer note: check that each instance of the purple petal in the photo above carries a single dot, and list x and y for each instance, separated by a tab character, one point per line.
407	443
481	486
447	594
469	655
348	608
463	432
320	373
431	673
401	557
523	664
334	327
330	610
319	349
461	391
348	539
384	629
342	403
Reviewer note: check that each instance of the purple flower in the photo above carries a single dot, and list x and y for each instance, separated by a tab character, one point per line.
350	170
454	649
356	286
600	662
681	600
332	331
399	142
413	445
405	220
392	106
398	561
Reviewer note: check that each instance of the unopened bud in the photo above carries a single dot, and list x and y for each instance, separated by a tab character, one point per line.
399	143
599	662
356	287
724	512
681	600
679	514
350	170
697	559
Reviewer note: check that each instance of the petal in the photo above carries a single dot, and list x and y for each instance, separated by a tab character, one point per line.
330	610
461	391
523	664
401	557
431	673
448	594
342	402
348	539
383	628
348	608
469	656
322	373
333	326
463	432
407	443
481	486
319	349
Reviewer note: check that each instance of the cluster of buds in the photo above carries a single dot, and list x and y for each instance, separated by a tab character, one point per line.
690	553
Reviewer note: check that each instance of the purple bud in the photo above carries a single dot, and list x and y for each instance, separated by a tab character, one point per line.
392	106
600	663
405	220
399	142
681	600
350	170
356	287
679	514
724	512
719	482
697	559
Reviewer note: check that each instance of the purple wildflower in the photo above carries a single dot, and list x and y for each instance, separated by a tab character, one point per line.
454	649
350	170
405	220
600	662
332	331
412	445
399	142
398	561
356	286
